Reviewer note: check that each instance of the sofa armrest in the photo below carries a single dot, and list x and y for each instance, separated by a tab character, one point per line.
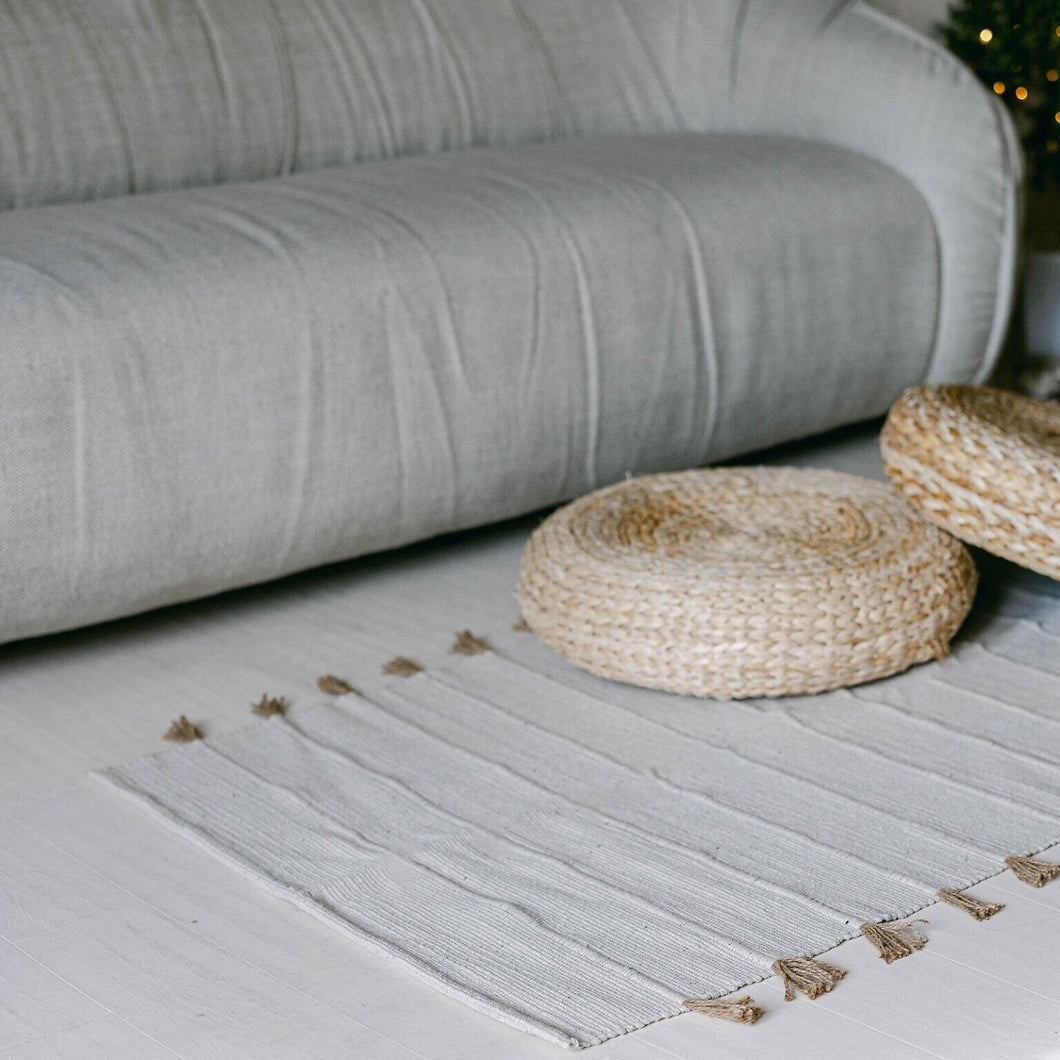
862	80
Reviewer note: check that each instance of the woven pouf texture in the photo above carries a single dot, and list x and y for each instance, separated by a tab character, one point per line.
983	464
743	582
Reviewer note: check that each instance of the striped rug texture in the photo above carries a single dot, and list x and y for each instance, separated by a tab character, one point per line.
577	857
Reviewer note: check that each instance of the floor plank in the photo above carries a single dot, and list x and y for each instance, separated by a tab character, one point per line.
195	997
35	1002
33	761
42	892
104	1038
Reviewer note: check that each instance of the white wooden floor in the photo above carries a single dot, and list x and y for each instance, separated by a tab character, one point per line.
120	940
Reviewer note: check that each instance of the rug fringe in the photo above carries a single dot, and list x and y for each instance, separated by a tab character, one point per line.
974	907
1036	873
183	731
737	1010
467	643
402	667
269	706
813	978
334	686
895	941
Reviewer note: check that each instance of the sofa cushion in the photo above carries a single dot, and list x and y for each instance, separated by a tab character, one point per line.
159	94
212	387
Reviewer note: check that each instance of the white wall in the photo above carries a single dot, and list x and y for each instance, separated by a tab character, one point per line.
921	14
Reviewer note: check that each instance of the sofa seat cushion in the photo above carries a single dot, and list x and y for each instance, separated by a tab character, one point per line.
213	387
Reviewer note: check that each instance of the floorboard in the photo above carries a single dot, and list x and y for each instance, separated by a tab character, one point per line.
103	1038
36	1001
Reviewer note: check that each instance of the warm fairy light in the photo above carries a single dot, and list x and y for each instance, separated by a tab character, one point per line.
1056	117
999	87
1021	93
986	35
1052	146
1052	75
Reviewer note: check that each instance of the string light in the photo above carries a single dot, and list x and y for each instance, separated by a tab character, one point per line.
1026	67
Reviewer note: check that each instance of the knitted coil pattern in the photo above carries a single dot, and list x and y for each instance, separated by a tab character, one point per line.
983	464
743	582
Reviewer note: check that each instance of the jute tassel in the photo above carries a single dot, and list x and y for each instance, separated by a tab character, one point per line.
737	1010
467	643
183	731
334	686
1036	873
269	706
813	978
895	941
974	907
402	667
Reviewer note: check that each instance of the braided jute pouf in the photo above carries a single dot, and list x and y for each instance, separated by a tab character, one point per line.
744	582
983	464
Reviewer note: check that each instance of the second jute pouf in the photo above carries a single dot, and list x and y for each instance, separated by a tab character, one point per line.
743	582
983	464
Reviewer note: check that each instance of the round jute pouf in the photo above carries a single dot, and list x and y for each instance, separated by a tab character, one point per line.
983	464
743	582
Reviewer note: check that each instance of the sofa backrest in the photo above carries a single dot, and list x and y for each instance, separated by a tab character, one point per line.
109	97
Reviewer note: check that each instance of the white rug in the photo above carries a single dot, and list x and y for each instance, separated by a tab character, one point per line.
576	857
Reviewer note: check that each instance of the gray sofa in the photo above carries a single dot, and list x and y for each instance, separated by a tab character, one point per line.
287	281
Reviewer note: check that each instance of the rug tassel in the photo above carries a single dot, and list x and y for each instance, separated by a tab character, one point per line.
1036	873
813	978
895	941
974	907
183	731
269	706
402	667
334	686
738	1010
467	643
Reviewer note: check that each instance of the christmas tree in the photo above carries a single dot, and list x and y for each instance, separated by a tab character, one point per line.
1014	47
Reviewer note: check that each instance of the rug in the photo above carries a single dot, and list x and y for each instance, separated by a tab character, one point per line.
577	857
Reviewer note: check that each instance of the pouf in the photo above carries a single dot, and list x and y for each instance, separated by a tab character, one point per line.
743	582
983	464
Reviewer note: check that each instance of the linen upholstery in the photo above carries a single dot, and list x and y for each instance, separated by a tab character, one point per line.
163	93
210	387
276	359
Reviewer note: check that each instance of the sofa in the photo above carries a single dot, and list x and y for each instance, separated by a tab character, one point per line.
284	282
